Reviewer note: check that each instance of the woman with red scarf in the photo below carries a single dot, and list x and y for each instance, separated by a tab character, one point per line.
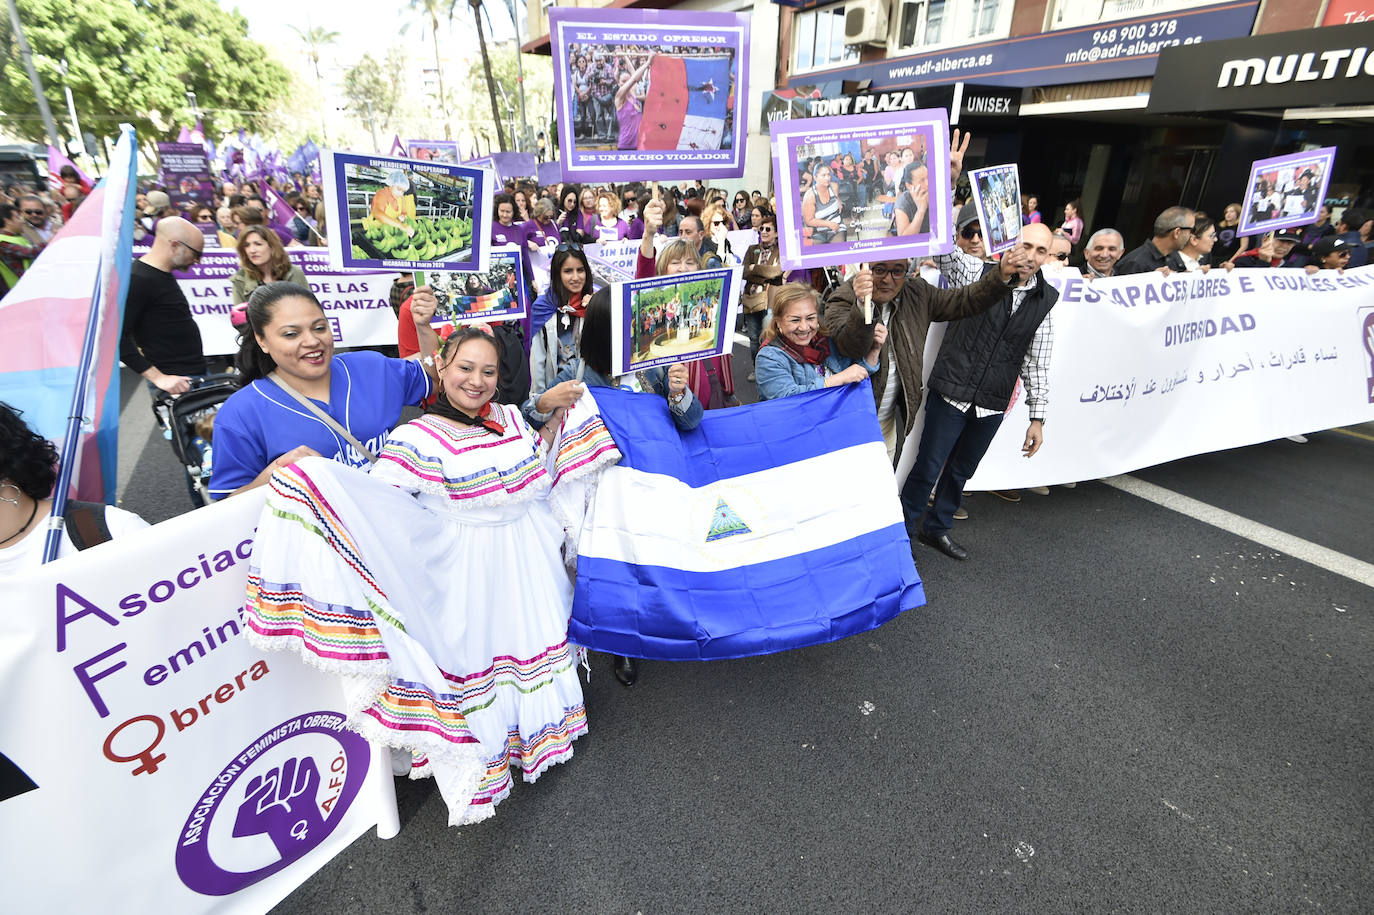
797	357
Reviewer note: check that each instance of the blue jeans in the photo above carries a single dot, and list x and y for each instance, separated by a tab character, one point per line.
952	444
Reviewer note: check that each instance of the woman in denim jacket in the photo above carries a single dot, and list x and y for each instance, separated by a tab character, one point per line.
797	357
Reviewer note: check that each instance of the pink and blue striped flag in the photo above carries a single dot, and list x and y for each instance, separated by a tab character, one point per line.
63	321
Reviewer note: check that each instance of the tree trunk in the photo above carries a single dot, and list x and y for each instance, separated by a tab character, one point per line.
439	72
486	66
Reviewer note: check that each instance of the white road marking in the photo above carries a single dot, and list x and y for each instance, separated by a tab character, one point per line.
1323	558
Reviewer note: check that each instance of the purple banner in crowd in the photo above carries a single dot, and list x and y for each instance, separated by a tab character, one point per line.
184	170
1112	50
664	320
1286	191
644	93
549	173
828	215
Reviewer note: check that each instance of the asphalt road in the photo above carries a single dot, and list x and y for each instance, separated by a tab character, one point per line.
1110	708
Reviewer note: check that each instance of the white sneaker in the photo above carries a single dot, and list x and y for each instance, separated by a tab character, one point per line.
1039	490
751	376
1070	485
1299	438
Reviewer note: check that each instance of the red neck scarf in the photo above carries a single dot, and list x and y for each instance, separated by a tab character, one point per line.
576	307
814	353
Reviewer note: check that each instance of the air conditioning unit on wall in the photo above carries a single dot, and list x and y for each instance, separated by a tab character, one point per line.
865	22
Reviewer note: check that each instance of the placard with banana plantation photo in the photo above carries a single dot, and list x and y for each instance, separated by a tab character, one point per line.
406	214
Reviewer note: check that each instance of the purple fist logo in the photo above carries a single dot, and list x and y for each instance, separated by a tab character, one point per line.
272	804
281	803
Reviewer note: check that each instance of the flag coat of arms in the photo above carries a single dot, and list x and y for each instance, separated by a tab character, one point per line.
687	103
768	527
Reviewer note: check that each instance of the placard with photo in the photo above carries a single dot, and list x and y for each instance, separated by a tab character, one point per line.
649	93
434	151
497	293
862	188
663	320
1285	192
404	214
997	195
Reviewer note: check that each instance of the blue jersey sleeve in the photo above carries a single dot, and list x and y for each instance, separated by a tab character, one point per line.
238	454
410	377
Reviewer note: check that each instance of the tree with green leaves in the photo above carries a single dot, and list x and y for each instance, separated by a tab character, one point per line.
374	90
135	61
314	38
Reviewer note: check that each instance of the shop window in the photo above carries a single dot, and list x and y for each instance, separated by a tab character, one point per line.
820	40
1073	13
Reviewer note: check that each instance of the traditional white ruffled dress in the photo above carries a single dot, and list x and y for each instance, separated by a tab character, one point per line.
436	586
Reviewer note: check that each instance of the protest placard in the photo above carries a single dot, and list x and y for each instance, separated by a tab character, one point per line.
682	317
184	171
645	93
828	213
997	195
1285	192
495	294
433	151
404	214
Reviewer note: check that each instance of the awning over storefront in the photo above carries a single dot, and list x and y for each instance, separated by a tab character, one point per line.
1304	69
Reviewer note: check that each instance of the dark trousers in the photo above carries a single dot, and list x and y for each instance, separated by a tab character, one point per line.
952	444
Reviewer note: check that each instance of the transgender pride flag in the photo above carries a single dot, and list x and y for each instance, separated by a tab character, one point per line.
768	527
61	324
687	103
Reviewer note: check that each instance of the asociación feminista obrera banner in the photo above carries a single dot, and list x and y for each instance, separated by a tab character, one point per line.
151	760
1151	368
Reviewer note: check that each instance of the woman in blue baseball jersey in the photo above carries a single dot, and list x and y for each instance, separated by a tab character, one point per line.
262	426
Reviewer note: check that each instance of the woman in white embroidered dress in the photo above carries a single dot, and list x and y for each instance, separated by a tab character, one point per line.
449	610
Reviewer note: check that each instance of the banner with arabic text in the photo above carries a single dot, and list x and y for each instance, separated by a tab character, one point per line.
1148	369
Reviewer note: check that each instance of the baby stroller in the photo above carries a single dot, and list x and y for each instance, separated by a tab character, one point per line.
184	419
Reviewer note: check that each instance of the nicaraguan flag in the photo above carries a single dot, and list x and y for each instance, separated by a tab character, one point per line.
768	527
687	103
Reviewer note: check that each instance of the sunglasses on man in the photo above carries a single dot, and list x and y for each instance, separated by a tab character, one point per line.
32	212
196	253
969	233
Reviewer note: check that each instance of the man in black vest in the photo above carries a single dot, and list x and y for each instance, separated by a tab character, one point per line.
973	380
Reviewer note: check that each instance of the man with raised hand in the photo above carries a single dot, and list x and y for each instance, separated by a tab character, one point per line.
974	377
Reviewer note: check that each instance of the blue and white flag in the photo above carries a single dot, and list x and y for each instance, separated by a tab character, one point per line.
769	527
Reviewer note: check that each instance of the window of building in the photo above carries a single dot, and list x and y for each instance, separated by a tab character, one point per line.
1066	14
926	24
820	40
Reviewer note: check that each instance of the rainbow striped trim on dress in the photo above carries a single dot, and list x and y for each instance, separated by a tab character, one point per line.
281	610
584	443
549	747
412	708
404	460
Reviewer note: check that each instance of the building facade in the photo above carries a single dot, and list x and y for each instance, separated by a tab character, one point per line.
1126	105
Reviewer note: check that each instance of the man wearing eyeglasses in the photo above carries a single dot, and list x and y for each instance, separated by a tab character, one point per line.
1060	248
1172	230
160	339
38	227
15	251
905	305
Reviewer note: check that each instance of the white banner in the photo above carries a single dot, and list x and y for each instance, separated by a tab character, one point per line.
358	305
1148	369
150	758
